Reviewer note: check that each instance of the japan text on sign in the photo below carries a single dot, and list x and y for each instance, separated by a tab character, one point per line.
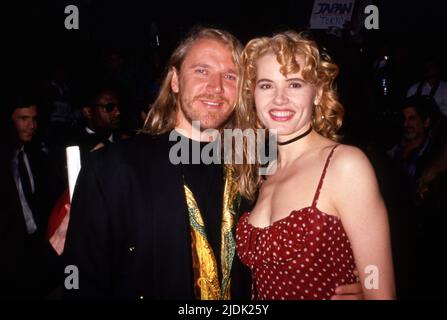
331	13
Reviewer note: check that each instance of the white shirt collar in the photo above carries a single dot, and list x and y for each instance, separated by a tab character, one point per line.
90	131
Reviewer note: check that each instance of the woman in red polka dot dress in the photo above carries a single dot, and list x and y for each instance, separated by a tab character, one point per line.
319	214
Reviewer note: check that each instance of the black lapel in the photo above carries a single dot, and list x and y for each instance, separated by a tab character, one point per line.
171	232
42	186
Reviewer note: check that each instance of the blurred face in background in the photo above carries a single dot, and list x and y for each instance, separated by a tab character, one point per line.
25	123
105	115
414	125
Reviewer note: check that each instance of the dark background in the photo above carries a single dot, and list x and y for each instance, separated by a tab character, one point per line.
34	34
35	42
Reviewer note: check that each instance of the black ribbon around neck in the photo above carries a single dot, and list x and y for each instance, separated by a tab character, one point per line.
296	138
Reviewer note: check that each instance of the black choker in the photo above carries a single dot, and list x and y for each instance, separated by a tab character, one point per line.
296	138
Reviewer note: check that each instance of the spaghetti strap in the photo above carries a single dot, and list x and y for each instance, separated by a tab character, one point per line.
320	183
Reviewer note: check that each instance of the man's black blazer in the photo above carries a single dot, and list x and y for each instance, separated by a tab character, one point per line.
26	260
129	233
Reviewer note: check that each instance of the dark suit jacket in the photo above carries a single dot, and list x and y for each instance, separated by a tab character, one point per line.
129	231
26	260
87	141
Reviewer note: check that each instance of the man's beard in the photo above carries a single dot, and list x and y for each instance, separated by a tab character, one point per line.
208	119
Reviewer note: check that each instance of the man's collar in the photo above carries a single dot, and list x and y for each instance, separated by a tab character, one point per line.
194	137
89	131
18	150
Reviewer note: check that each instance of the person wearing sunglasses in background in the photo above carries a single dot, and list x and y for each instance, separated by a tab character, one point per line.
101	126
101	113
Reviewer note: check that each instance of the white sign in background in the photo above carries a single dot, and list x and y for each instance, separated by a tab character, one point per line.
73	167
331	13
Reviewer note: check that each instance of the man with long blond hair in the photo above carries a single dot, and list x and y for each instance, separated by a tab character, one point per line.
144	228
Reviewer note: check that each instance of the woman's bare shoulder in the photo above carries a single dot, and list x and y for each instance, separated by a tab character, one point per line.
348	161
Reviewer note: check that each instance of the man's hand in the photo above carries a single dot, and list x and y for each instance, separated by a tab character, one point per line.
349	291
57	240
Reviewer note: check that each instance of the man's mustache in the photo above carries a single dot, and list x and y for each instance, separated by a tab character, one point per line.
213	97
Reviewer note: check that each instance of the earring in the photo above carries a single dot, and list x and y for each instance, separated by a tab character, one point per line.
315	107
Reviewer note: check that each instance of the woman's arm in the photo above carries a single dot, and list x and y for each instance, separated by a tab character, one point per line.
360	205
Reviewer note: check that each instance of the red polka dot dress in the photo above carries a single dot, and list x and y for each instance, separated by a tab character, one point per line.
305	255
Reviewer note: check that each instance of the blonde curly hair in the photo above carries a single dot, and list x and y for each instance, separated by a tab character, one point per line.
318	69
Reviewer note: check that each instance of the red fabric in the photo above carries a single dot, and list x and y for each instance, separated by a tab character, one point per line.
305	255
58	213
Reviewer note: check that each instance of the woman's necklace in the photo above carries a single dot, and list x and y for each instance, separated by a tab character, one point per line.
283	143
